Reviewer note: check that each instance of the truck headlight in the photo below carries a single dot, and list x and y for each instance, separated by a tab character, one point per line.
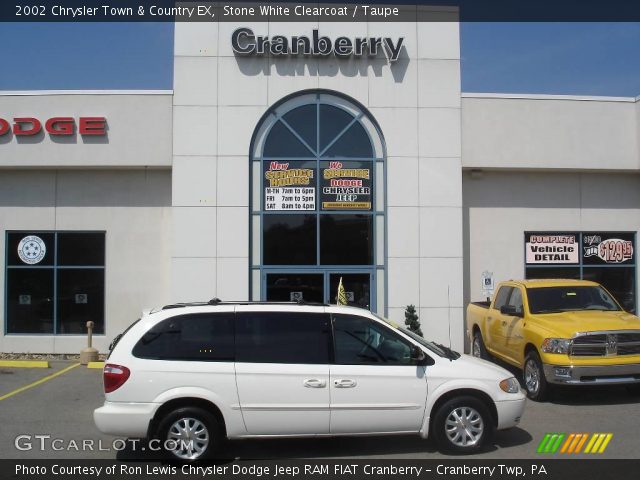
556	345
510	385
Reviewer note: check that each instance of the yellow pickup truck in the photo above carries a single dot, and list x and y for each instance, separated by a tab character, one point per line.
570	332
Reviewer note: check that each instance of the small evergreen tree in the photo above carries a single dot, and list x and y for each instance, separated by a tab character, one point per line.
411	320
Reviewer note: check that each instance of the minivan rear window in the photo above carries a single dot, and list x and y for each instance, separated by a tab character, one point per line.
282	337
196	337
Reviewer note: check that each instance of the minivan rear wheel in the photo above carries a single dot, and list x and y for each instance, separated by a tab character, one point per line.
462	425
189	434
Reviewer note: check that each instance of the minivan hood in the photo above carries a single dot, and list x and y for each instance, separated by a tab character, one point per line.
567	324
480	368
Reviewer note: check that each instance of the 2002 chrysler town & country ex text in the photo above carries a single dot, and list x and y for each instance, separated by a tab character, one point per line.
199	373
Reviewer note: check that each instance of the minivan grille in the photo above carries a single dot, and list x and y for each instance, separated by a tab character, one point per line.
605	344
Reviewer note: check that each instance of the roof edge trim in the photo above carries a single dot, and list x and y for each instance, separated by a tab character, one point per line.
531	96
8	93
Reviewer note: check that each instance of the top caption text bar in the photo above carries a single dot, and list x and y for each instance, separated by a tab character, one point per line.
328	11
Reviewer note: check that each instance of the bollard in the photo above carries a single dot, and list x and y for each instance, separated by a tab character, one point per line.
89	354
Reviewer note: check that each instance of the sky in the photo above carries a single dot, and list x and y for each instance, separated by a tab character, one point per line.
540	58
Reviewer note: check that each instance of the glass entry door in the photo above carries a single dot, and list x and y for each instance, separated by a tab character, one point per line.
319	287
294	287
357	286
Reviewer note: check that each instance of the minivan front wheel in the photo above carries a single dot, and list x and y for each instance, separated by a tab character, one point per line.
462	425
190	434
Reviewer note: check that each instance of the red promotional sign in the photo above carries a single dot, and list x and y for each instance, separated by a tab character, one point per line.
64	126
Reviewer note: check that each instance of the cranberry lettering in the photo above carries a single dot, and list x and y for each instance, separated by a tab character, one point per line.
63	126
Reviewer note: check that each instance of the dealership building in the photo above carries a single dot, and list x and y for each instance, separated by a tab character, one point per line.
289	156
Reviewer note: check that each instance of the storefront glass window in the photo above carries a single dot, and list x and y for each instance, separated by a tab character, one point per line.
54	282
320	158
608	258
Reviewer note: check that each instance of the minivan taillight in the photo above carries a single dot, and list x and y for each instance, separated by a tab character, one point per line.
114	376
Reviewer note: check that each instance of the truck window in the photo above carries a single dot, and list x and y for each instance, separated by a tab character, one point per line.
516	299
502	297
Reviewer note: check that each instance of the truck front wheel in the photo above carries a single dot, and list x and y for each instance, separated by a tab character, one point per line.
534	380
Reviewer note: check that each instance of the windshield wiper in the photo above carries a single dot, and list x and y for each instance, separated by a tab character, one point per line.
448	353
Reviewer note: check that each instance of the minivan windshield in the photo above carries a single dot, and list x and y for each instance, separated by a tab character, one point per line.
430	345
565	299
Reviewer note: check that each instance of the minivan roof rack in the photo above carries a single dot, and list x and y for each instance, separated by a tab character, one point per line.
217	301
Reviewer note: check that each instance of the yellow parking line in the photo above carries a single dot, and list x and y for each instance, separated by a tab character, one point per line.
38	382
99	365
24	363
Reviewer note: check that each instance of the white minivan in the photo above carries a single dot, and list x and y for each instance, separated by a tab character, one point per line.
191	375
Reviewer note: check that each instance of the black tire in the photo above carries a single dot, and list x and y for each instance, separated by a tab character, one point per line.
478	348
633	389
453	421
535	383
206	434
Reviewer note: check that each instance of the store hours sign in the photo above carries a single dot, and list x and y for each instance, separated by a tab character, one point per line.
289	186
292	186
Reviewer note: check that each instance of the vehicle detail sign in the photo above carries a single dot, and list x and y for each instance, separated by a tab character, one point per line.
554	248
289	186
346	186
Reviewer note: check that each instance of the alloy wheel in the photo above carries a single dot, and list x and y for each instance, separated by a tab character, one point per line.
532	377
464	427
191	438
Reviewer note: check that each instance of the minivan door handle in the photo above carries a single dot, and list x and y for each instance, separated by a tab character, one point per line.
314	383
345	383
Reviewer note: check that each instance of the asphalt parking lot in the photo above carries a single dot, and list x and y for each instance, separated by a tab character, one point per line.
62	407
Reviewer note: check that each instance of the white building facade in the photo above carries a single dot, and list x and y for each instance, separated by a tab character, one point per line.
273	176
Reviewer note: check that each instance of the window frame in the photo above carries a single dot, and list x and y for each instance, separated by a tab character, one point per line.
377	214
582	267
54	267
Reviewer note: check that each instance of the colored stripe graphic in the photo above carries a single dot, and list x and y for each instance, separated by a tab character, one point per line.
551	442
543	443
573	443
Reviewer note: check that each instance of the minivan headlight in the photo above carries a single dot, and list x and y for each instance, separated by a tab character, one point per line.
556	345
510	385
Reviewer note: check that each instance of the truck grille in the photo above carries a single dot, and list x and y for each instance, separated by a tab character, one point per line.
605	344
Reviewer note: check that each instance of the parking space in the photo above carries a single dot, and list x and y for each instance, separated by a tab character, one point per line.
12	378
62	407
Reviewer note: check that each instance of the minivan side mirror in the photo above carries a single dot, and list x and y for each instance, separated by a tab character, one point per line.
511	310
419	357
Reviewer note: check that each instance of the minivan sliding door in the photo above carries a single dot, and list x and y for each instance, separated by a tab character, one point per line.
282	370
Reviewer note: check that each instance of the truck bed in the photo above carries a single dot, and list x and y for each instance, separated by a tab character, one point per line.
484	304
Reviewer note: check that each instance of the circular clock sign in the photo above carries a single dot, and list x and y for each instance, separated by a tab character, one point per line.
32	250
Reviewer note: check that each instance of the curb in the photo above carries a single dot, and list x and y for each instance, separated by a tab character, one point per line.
99	365
24	363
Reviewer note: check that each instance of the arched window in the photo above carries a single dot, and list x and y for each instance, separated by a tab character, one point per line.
317	164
